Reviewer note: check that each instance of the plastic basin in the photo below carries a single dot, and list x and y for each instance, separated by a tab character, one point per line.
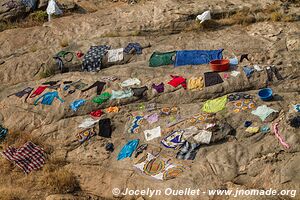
265	94
219	65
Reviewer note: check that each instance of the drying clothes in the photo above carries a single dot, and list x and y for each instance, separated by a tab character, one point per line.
296	107
51	83
203	137
140	149
115	55
279	137
212	78
53	9
159	169
162	58
269	74
197	57
233	61
247	124
85	135
190	131
188	151
88	122
112	109
121	94
96	113
54	87
92	60
265	129
130	82
252	129
48	98
136	46
257	68
29	3
152	134
221	131
151	106
38	91
276	72
108	78
239	96
105	129
139	92
3	132
135	125
295	122
98	84
79	85
195	83
178	80
20	94
174	140
248	71
152	118
243	105
128	149
263	112
105	96
235	73
201	117
204	16
244	56
28	157
215	105
159	88
76	104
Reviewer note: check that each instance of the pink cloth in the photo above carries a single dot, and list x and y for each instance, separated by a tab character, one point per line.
279	137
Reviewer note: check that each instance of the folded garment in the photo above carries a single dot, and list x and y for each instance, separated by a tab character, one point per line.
263	112
105	129
28	157
134	127
136	46
152	134
112	109
38	91
195	83
105	96
121	94
128	149
248	71
130	82
203	137
92	60
197	57
174	140
188	151
139	92
215	105
212	78
152	118
161	58
115	55
96	113
88	123
178	80
204	16
159	88
76	104
85	135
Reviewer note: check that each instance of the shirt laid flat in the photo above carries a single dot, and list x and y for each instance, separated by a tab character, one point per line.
98	84
152	134
115	55
48	98
263	112
128	149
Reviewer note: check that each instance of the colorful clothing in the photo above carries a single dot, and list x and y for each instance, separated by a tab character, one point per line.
3	132
174	140
102	98
85	135
195	83
128	149
263	112
178	80
136	46
215	105
92	60
76	104
48	98
134	128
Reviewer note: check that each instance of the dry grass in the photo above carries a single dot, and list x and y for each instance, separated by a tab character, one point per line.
276	16
47	72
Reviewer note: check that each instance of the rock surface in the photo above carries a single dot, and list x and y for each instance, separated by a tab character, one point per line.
240	161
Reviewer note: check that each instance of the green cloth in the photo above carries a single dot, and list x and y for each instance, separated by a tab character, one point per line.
161	58
215	105
105	96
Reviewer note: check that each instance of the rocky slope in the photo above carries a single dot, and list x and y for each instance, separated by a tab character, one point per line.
239	161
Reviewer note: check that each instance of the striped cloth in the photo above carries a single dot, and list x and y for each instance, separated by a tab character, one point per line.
28	157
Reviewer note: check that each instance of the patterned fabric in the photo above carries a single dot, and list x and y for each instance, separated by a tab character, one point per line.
85	135
242	105
3	132
188	151
134	128
174	140
92	60
136	46
158	168
28	157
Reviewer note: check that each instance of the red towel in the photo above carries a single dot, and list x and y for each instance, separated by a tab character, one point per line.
96	113
178	80
38	91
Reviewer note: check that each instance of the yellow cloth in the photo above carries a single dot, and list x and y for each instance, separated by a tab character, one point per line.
195	83
252	129
112	109
215	105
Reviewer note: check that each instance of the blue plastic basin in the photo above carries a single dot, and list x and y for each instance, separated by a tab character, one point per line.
265	94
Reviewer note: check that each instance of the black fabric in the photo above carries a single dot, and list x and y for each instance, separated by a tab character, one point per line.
54	87
212	78
188	151
67	82
109	147
295	122
100	85
139	92
276	72
105	129
221	131
20	94
50	83
140	149
244	56
269	74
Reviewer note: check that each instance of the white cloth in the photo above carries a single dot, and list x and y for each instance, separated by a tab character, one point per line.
263	112
235	73
115	55
203	137
152	134
88	122
204	16
257	68
53	9
130	82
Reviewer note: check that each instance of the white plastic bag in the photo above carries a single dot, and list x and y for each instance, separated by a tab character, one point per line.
53	9
204	16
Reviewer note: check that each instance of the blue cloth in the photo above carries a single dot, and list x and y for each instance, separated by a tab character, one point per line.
248	71
128	149
136	46
76	104
3	132
29	3
48	98
197	57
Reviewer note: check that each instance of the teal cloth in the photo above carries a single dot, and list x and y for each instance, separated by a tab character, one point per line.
128	149
121	94
48	98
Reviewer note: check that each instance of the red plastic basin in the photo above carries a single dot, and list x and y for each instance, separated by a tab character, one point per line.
219	65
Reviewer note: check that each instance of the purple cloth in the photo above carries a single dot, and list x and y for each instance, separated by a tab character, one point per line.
159	88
